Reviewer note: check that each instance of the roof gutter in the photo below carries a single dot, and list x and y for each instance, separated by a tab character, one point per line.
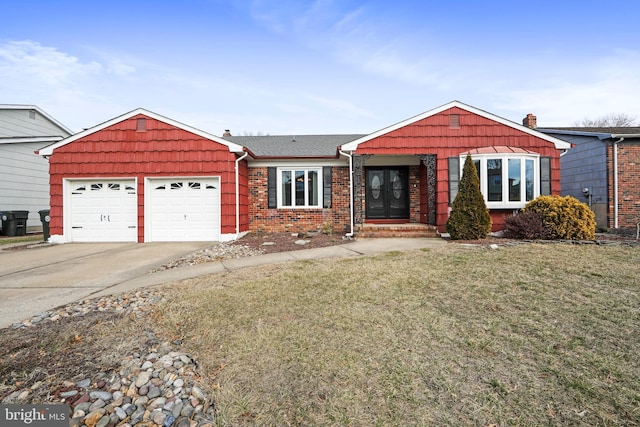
350	157
625	135
258	157
238	195
615	182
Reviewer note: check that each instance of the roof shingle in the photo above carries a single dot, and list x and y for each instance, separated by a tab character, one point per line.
293	146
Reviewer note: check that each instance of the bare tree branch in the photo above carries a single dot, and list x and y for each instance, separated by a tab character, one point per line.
609	120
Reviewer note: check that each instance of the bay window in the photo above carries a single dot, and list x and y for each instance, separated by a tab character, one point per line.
507	180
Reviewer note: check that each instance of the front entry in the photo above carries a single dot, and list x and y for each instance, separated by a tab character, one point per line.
387	195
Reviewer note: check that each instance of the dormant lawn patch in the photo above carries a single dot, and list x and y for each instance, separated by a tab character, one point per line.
525	335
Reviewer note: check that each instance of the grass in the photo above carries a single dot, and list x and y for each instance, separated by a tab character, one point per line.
525	335
20	239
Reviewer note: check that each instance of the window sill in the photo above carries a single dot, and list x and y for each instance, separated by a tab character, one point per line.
506	206
297	208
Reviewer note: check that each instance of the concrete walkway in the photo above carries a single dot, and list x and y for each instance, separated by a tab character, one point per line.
48	276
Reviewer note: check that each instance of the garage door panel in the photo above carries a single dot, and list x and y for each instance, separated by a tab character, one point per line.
184	209
104	211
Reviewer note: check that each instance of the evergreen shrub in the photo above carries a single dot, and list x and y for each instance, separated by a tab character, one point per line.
469	218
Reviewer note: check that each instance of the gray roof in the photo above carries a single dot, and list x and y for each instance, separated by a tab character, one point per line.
601	130
293	146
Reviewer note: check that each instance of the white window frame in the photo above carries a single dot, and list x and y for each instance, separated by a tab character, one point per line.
293	170
505	157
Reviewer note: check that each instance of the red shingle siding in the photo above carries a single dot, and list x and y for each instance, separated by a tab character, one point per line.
264	219
433	135
162	150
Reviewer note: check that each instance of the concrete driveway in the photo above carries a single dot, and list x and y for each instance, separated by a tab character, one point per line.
47	276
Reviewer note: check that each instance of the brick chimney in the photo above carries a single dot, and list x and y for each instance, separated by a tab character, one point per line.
226	133
530	121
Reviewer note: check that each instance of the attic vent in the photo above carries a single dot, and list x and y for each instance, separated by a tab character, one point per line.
454	121
141	125
32	114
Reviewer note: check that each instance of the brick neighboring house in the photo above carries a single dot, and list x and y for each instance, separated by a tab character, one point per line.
603	170
144	177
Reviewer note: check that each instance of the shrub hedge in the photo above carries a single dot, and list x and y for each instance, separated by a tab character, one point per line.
561	218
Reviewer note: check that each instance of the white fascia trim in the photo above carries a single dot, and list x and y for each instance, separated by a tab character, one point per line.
39	110
234	148
558	143
297	163
31	139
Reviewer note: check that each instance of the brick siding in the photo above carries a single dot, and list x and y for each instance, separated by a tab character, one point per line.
266	220
628	185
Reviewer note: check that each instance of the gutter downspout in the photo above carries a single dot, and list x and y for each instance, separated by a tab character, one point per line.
238	195
350	233
615	182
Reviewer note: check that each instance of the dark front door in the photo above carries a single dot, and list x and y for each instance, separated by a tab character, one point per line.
387	195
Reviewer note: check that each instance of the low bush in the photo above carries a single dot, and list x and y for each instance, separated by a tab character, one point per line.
563	217
525	225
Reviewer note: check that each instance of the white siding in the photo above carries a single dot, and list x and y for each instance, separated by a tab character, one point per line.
24	180
19	123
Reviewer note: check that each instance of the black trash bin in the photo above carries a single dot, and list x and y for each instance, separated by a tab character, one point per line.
21	222
8	223
14	223
45	218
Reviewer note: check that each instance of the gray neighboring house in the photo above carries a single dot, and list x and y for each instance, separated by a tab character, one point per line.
602	169
24	175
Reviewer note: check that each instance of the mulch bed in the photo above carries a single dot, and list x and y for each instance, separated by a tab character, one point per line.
284	242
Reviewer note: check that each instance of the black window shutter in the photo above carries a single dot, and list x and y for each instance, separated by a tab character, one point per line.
326	183
272	187
454	177
545	176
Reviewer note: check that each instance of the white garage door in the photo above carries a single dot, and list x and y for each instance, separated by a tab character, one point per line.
184	209
104	211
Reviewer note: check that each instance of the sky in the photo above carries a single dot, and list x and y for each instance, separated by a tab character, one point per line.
319	67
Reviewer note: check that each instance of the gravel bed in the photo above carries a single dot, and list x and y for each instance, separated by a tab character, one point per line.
216	252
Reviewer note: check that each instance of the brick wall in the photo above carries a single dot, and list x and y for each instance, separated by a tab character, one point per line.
414	194
263	219
628	185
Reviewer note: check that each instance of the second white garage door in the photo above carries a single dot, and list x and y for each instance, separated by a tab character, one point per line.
183	209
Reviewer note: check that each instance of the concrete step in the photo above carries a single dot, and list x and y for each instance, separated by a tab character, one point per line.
396	230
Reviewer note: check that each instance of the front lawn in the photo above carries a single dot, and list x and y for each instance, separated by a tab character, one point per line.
525	335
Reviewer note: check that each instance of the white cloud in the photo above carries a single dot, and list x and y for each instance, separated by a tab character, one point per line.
341	106
591	89
120	69
30	62
59	82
